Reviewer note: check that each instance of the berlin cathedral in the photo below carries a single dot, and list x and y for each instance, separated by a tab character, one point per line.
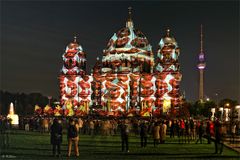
127	80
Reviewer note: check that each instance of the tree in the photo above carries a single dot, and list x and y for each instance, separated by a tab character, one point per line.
29	109
24	102
192	110
225	101
202	108
206	110
184	111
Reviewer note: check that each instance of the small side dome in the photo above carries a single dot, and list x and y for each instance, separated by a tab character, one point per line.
73	46
167	54
168	40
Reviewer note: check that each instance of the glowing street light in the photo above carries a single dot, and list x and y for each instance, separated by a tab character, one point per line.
216	94
238	110
49	100
226	111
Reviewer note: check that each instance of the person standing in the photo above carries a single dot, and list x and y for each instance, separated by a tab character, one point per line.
73	137
124	135
218	136
4	135
172	128
208	132
164	132
91	127
187	131
45	124
182	128
143	134
233	132
80	124
56	137
77	125
156	134
192	132
200	132
178	129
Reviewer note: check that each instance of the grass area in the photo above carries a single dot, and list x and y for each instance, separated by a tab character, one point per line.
32	145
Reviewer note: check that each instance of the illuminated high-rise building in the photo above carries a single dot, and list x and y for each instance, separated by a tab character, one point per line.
201	66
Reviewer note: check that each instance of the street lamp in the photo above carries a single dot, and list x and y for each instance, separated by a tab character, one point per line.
226	110
238	111
216	94
49	100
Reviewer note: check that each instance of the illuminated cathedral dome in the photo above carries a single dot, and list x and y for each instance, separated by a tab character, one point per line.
74	59
128	48
168	40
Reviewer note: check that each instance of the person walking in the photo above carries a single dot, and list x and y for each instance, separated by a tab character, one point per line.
124	127
143	134
56	137
73	137
156	134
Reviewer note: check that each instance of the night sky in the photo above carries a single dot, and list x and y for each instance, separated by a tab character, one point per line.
34	36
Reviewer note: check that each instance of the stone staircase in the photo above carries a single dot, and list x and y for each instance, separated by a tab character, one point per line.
228	141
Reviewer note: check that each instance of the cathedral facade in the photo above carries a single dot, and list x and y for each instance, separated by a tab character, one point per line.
126	81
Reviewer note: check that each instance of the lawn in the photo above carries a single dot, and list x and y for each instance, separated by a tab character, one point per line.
32	145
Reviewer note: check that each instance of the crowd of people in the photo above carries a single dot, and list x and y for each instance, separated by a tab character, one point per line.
152	130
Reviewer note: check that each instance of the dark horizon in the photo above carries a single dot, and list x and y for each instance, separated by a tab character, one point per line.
34	36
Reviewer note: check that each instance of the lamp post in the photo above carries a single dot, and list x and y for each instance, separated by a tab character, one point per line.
213	110
216	94
225	110
49	100
238	111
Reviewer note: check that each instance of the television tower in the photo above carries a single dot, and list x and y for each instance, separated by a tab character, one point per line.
201	66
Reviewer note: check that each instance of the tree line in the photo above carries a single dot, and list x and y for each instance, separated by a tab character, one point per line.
23	103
